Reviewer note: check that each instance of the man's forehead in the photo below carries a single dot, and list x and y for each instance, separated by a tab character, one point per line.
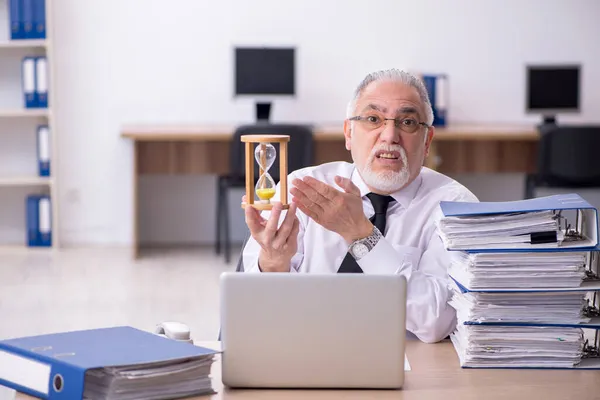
390	96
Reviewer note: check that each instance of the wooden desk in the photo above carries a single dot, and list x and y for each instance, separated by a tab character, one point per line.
205	150
435	374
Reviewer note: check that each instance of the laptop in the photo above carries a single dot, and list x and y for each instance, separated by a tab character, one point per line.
285	330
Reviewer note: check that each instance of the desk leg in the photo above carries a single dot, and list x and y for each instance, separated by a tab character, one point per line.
135	238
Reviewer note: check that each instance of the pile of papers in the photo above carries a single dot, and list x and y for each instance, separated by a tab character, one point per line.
529	307
521	299
481	346
519	270
510	230
168	380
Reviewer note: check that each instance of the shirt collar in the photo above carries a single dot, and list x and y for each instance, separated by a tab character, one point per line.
403	196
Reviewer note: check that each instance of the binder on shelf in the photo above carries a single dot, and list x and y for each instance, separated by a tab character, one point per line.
542	224
29	82
28	18
43	150
437	87
39	19
101	363
16	19
39	220
41	81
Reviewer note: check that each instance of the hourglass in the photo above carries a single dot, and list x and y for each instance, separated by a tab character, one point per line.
265	155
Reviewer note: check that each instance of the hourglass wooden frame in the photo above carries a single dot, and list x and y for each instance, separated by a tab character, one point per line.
283	168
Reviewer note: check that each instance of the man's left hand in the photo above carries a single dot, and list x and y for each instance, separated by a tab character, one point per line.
338	211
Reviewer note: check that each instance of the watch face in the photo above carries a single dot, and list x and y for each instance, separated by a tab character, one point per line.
359	250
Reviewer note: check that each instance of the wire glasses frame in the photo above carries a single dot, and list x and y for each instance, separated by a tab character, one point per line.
408	124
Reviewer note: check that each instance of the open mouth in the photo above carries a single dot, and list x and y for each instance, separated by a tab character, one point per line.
387	155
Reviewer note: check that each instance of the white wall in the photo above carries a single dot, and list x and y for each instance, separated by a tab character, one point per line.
155	61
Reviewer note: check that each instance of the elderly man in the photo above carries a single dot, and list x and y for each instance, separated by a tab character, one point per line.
375	216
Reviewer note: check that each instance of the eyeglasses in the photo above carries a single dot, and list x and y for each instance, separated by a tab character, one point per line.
374	121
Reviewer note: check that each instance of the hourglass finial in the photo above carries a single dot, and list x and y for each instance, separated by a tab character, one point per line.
265	156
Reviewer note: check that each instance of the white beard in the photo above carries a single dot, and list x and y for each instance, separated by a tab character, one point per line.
386	181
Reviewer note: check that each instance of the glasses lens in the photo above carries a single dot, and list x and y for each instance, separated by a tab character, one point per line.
371	121
408	125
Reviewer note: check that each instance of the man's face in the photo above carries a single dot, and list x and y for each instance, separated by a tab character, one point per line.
388	157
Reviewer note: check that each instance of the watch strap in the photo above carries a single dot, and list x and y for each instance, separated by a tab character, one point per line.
369	242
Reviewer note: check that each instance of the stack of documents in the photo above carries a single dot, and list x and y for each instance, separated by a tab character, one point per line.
519	270
480	346
511	230
161	381
528	307
519	225
109	363
520	280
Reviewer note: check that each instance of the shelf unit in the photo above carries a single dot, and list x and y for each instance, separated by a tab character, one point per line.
24	44
29	118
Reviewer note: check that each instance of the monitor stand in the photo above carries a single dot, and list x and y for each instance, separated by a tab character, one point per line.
549	120
263	112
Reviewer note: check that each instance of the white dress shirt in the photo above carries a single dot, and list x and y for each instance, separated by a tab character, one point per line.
411	245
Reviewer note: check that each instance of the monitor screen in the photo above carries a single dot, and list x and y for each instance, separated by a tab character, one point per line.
264	71
553	88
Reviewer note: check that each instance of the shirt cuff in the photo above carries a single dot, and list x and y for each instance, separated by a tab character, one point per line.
256	269
385	259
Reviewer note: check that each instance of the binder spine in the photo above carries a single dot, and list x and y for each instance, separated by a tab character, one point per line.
45	223
41	81
43	150
40	376
437	87
28	82
28	7
39	19
32	218
16	19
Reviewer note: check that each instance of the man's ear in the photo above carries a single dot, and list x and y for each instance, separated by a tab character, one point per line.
428	139
347	134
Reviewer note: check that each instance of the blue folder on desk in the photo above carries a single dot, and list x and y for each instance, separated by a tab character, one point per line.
592	286
54	366
584	224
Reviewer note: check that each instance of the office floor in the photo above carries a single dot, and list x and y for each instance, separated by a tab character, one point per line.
80	289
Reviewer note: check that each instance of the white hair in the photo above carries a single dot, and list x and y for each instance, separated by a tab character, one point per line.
395	75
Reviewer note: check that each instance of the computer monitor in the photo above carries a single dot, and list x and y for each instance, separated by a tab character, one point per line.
265	72
553	89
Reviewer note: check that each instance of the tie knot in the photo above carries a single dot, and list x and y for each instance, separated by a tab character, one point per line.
380	202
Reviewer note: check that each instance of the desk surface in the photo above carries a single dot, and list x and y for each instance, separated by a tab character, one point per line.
435	374
324	132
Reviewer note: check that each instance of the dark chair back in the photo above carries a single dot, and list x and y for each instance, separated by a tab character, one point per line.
568	156
300	148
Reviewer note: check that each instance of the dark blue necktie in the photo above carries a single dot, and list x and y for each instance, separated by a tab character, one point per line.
380	204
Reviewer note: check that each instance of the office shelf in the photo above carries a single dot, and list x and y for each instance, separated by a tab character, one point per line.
19	249
24	113
13	181
23	44
21	124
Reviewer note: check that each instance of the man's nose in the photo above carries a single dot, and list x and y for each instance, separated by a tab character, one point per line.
390	133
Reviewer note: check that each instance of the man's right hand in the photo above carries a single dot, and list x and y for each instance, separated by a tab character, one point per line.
278	246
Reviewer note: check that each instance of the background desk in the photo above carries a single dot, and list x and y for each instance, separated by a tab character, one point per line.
205	150
435	374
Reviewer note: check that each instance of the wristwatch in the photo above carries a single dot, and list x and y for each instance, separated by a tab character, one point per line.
361	247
